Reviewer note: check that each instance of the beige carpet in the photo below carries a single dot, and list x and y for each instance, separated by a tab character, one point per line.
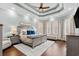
37	51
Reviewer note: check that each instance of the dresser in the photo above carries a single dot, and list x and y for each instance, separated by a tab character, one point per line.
1	26
72	45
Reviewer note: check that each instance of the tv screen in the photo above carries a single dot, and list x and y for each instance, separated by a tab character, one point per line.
76	18
30	32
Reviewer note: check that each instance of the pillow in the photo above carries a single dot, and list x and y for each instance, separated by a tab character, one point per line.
30	32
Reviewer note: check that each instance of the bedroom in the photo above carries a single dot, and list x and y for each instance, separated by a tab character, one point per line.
30	26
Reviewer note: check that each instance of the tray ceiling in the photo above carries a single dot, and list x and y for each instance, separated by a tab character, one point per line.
54	8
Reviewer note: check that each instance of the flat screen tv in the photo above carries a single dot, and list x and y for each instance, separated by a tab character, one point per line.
30	32
76	18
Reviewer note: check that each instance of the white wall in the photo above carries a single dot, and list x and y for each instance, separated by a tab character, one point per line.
8	20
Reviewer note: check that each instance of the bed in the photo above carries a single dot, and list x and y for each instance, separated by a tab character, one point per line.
30	37
33	40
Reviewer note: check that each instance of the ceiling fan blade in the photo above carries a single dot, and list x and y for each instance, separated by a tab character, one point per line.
44	7
48	7
41	5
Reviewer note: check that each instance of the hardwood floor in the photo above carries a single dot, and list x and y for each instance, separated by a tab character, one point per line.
12	52
57	49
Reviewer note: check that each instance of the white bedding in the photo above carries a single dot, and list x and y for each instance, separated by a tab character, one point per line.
25	39
6	43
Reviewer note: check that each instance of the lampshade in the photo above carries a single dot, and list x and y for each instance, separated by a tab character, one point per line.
13	30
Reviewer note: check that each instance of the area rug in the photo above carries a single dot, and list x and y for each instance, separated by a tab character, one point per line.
37	51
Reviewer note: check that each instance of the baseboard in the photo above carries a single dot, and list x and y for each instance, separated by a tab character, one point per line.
57	40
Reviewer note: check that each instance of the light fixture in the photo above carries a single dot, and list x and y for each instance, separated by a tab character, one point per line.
69	8
52	19
11	12
13	30
26	17
13	8
35	20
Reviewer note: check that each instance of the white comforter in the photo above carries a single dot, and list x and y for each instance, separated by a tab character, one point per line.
6	43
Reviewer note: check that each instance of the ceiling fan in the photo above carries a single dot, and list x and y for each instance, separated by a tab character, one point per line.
41	6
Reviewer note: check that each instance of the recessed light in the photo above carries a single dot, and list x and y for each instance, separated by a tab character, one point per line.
69	8
13	8
11	12
35	20
26	17
52	19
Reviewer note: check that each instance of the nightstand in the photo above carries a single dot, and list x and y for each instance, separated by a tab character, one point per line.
15	39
